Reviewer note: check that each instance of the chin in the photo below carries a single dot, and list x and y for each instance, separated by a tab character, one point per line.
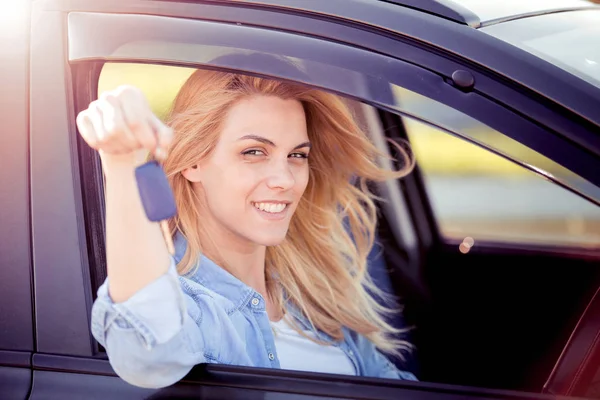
269	240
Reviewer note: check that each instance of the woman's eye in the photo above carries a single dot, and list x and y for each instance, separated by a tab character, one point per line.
253	152
299	155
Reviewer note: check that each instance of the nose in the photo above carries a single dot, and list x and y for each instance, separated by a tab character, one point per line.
281	176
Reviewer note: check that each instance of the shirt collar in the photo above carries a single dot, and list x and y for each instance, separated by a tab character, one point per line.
218	280
215	278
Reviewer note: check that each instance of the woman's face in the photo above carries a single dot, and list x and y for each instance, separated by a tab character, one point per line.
257	173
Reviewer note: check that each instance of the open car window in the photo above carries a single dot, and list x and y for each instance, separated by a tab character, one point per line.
160	84
476	194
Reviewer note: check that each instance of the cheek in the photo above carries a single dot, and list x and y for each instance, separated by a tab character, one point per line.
302	178
225	185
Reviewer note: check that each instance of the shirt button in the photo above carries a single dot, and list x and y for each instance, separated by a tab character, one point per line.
255	301
271	356
351	353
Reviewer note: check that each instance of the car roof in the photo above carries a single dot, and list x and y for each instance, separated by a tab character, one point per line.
475	13
485	12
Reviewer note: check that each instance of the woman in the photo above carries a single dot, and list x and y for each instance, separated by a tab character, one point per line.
266	272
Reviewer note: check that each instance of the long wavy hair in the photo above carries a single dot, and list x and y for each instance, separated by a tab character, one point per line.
322	263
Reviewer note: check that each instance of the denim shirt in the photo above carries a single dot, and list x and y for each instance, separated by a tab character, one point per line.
154	338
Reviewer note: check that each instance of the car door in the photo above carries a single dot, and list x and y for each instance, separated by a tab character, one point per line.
354	59
16	308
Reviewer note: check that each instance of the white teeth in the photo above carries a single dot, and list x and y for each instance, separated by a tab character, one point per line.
271	207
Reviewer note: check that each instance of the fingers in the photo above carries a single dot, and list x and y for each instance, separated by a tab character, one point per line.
164	136
107	136
86	129
115	124
121	121
136	112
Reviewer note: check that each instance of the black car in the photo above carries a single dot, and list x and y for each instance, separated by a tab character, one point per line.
492	243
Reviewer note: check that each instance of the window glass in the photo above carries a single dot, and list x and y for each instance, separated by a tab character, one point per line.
478	194
568	40
457	123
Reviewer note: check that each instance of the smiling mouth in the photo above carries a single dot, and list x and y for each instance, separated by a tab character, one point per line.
271	208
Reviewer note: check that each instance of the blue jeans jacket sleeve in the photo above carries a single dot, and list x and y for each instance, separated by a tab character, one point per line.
153	339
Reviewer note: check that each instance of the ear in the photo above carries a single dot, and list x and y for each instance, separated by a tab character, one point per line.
193	174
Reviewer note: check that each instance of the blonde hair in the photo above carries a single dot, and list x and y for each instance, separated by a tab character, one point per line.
321	265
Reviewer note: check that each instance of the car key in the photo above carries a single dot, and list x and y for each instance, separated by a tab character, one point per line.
157	197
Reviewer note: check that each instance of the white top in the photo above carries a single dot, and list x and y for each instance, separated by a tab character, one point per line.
301	354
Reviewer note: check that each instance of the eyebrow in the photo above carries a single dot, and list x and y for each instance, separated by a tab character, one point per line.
270	143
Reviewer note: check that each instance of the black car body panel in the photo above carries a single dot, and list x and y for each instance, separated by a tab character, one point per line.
16	305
